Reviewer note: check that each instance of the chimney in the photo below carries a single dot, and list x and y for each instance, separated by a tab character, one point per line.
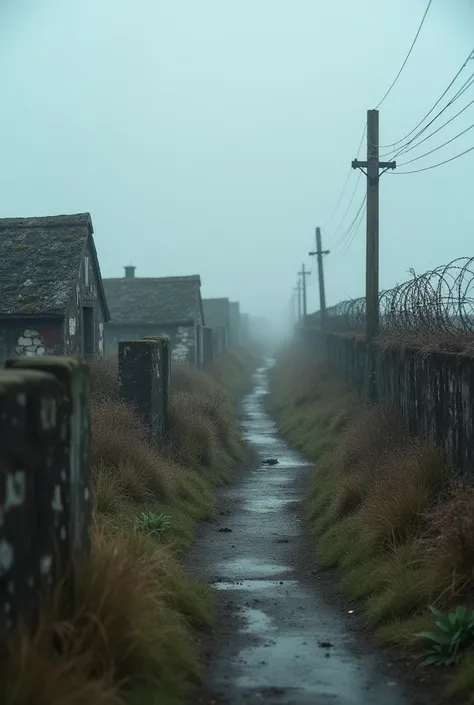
130	272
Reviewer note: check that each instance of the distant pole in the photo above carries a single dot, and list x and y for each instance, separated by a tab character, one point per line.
297	290
319	252
303	274
373	166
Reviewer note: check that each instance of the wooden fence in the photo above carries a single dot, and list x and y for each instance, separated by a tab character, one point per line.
434	391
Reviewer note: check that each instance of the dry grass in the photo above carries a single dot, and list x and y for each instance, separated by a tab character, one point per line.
379	503
449	544
126	639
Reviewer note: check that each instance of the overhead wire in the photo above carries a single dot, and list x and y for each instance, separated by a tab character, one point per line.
433	166
462	90
414	146
407	56
344	188
447	89
346	237
421	156
339	227
352	231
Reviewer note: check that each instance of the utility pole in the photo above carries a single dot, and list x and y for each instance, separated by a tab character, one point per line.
303	274
373	166
319	252
297	290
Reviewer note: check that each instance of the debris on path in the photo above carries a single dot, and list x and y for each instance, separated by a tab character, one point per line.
278	638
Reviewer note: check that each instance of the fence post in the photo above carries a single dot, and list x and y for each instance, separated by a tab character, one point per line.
144	378
45	488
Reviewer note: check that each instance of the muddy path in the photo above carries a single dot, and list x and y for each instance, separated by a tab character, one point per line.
278	638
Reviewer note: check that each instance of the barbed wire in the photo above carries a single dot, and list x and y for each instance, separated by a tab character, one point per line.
438	302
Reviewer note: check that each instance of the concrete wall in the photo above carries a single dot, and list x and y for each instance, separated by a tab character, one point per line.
144	378
86	293
433	391
183	339
234	310
45	527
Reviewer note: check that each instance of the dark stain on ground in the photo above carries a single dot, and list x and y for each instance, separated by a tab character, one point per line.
281	632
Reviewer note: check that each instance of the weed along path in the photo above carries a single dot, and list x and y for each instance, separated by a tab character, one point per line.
276	640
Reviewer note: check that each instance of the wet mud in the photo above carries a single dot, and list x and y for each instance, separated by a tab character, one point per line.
277	638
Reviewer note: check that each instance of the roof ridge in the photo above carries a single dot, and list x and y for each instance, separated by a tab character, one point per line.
194	277
52	221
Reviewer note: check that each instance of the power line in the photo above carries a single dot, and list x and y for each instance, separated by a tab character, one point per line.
353	233
415	159
414	146
407	56
434	166
462	90
336	244
349	230
402	139
346	182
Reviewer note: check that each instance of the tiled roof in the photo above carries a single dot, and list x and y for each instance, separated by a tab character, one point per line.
40	261
154	300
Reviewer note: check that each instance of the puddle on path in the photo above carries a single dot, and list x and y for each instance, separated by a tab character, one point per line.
289	646
252	567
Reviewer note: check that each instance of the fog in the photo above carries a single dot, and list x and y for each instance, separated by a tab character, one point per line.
211	137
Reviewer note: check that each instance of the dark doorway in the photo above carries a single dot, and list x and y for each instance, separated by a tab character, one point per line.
88	332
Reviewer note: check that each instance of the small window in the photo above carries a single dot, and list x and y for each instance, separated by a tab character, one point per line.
88	331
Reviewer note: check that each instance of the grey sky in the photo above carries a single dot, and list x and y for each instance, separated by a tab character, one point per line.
211	137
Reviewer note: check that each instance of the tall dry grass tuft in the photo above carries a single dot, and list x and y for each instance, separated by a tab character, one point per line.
120	445
127	637
104	377
449	544
403	486
380	505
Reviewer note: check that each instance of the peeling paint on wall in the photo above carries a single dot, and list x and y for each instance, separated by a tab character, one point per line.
183	344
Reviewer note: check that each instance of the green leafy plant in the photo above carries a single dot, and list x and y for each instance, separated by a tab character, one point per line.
453	635
154	524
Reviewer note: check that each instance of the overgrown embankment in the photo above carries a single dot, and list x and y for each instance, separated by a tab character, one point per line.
127	638
385	509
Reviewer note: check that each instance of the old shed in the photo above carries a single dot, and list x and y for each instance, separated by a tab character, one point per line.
51	295
217	316
141	307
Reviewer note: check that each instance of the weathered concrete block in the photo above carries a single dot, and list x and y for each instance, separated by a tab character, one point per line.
33	491
74	412
144	378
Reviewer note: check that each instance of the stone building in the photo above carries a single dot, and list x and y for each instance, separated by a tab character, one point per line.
141	307
217	316
52	300
234	308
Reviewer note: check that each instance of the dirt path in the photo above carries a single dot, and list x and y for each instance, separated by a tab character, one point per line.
277	638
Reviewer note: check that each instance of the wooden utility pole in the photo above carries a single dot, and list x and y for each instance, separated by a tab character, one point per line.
373	166
297	290
303	274
319	252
